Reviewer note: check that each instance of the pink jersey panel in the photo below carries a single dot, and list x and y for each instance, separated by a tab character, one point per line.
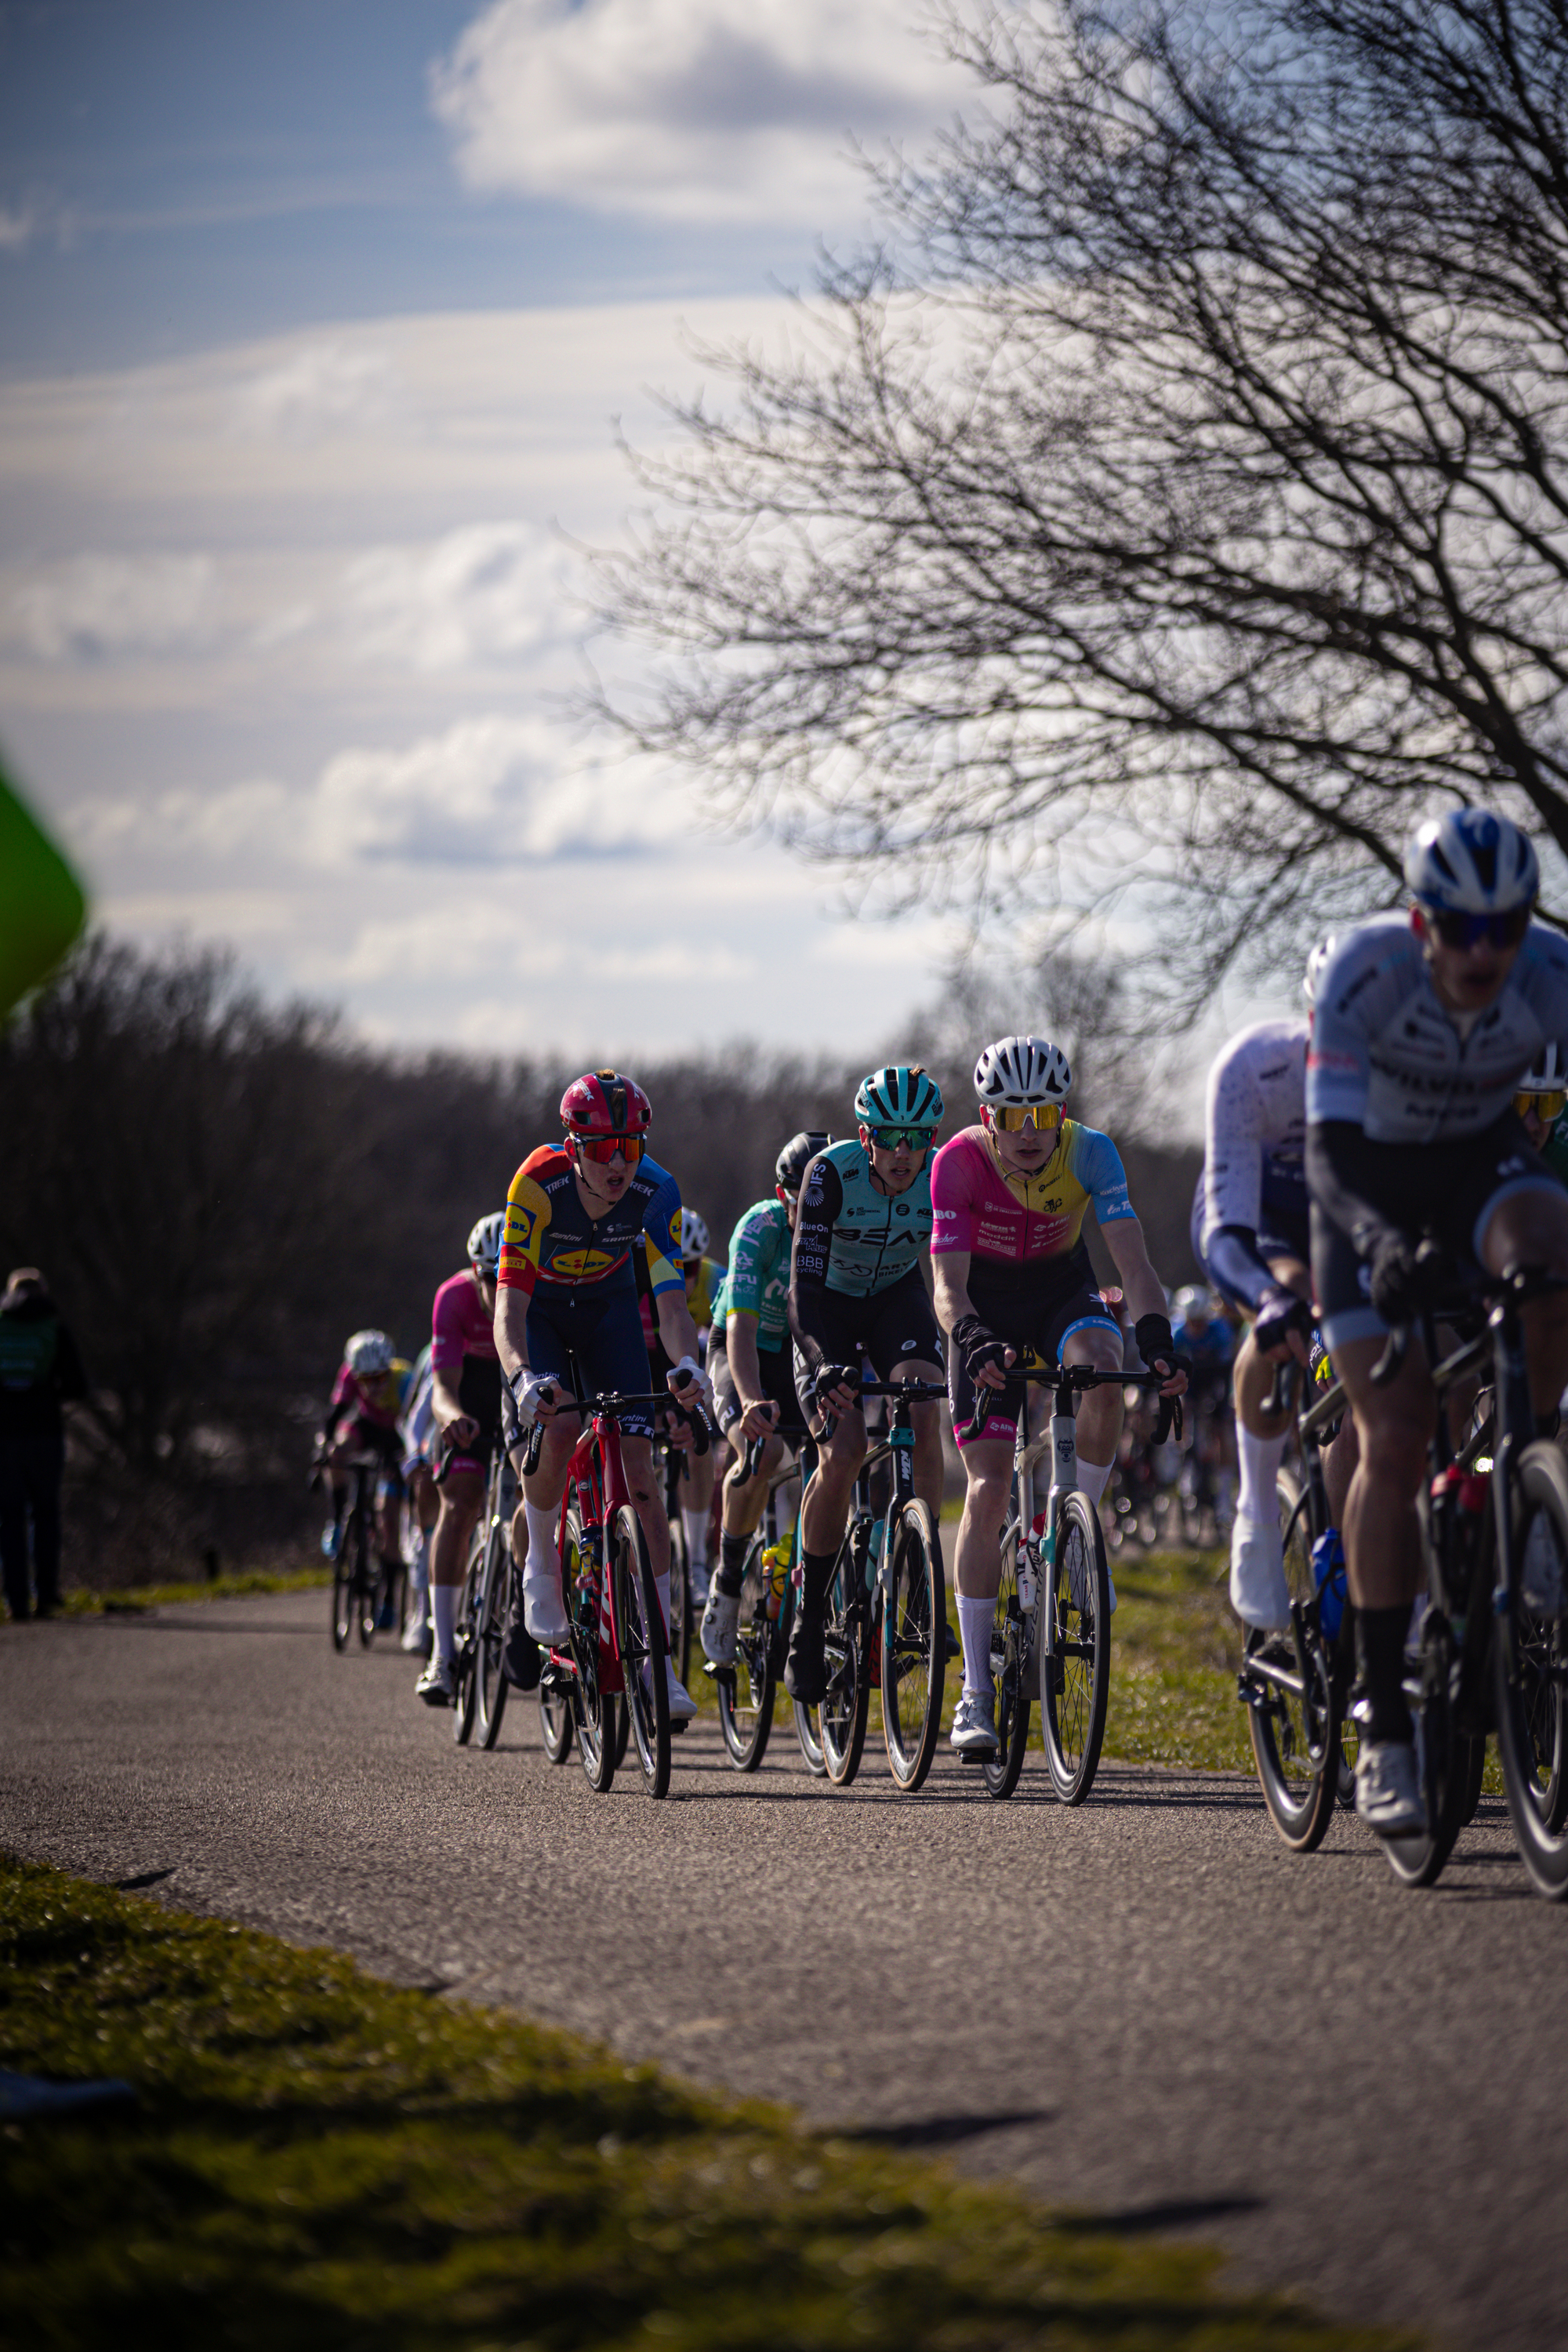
461	1325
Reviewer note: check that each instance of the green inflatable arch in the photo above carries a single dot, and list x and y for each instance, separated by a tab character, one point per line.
42	905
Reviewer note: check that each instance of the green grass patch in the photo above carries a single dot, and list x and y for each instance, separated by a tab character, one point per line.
1175	1650
136	1598
317	2158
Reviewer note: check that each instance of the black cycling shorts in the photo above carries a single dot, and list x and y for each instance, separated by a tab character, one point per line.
1039	1324
600	1332
893	1327
480	1393
1449	1190
776	1367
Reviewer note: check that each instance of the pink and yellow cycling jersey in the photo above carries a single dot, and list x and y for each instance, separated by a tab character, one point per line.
461	1325
1023	1221
378	1400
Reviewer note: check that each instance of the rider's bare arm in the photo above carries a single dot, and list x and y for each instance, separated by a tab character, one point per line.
1140	1284
511	1331
676	1327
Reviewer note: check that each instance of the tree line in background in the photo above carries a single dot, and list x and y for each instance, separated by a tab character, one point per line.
219	1190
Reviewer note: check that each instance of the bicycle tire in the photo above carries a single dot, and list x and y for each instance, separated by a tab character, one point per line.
845	1703
367	1586
593	1708
680	1637
489	1643
1075	1683
1529	1660
557	1712
914	1647
464	1665
1010	1662
640	1642
1296	1737
745	1691
342	1591
1419	1861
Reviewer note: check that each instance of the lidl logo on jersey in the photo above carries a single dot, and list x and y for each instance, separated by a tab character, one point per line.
582	1265
519	1227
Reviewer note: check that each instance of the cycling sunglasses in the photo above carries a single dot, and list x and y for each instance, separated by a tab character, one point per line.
603	1149
1463	930
1014	1119
891	1138
1547	1106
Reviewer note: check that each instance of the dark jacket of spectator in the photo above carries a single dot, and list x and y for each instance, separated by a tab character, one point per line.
40	1367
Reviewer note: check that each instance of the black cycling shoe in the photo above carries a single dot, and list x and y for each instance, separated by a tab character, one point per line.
522	1658
805	1667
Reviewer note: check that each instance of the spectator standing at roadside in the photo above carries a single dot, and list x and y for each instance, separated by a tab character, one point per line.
40	1372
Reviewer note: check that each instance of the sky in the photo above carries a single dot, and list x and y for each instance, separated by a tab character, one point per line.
315	324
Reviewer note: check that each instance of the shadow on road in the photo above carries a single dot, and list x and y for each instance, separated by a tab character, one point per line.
1168	2213
945	2131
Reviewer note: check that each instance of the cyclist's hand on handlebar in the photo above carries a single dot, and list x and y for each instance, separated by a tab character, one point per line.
1158	1349
460	1431
759	1420
1283	1327
1404	1277
835	1388
690	1385
537	1397
987	1358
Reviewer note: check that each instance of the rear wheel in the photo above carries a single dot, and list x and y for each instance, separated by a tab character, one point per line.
746	1689
1445	1761
1010	1663
554	1717
640	1640
343	1584
1295	1732
1075	1678
847	1702
914	1647
1531	1668
464	1662
489	1673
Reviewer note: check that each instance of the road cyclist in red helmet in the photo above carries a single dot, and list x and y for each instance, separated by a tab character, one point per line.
567	1297
1011	1274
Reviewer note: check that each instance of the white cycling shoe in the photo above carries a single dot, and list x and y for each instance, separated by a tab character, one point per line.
697	1585
1258	1592
974	1730
545	1611
1388	1789
720	1618
438	1685
682	1705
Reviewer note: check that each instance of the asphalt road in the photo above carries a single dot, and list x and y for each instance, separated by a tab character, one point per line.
1144	2007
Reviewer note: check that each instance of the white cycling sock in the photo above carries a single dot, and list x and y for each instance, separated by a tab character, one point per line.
975	1619
1091	1477
543	1560
1261	1460
444	1609
696	1525
661	1586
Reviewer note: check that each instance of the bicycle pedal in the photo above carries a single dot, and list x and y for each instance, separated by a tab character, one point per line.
679	1723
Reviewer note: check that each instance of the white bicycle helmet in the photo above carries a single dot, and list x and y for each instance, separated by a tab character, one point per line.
1017	1072
1471	862
484	1242
367	1353
1193	1295
1549	1075
693	1234
1315	964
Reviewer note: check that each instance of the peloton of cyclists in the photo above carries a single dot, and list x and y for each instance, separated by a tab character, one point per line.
861	1227
1011	1274
567	1296
466	1406
1425	1027
751	1364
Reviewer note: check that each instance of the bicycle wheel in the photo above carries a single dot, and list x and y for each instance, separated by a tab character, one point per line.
593	1708
1295	1731
640	1640
1010	1662
1074	1682
1529	1671
680	1596
847	1702
1445	1761
343	1584
366	1582
466	1660
914	1652
554	1719
490	1641
746	1689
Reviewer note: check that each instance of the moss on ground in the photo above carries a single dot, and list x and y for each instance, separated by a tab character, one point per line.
315	2159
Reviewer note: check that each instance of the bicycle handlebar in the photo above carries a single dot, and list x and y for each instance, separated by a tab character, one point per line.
609	1405
1081	1377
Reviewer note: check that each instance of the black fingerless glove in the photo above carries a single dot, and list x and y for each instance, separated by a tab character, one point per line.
832	1376
1280	1313
1400	1281
978	1346
1156	1345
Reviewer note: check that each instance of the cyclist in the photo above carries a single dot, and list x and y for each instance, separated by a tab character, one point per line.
1541	1103
416	1430
862	1224
368	1396
749	1359
567	1290
1013	1276
466	1406
702	1279
1424	1028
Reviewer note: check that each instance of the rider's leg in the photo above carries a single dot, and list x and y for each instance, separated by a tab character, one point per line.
743	1502
462	1498
925	1425
1100	1410
824	1516
696	1514
1382	1533
543	1607
977	1561
1531	1228
647	1489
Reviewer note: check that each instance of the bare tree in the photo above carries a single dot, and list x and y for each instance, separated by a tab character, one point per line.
1179	504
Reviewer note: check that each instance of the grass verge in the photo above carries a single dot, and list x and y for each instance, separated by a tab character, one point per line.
317	2158
135	1598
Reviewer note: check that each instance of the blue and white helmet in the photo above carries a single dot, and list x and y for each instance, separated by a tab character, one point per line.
1471	862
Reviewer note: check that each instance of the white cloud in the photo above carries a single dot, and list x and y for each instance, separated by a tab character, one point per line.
708	110
478	595
104	608
19	225
318	393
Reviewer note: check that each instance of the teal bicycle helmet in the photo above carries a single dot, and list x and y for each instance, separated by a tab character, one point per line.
898	1095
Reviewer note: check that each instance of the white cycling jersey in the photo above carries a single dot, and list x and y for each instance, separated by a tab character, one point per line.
1255	1129
1388	1055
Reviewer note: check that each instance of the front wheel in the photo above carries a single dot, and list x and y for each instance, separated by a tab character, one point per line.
593	1707
914	1647
1293	1719
489	1641
343	1585
1075	1668
640	1641
1531	1669
680	1596
847	1702
1011	1636
1444	1754
746	1689
464	1663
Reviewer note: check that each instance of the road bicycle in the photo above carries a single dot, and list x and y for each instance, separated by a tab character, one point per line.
1492	1650
746	1691
617	1645
483	1611
1298	1685
886	1615
363	1588
680	1609
1058	1552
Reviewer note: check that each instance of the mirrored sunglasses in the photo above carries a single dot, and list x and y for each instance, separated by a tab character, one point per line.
603	1149
1547	1106
891	1138
1014	1119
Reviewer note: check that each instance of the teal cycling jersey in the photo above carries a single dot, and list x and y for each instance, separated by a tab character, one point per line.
849	1236
757	1281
